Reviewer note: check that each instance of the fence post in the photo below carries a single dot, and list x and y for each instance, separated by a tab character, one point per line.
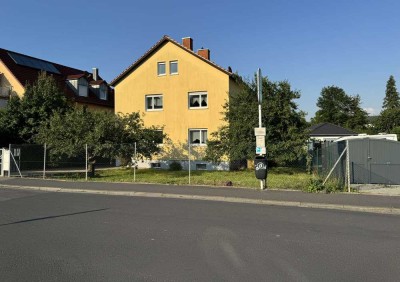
44	161
9	169
134	165
189	158
348	165
86	163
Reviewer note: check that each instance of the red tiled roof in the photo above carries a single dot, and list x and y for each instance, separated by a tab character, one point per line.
27	75
155	47
75	76
97	82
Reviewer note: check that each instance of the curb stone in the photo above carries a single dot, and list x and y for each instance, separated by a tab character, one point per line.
367	209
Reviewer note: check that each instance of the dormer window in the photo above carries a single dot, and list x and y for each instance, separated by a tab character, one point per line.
83	87
103	92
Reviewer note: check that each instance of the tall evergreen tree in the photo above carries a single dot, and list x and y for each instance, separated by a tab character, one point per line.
389	118
391	100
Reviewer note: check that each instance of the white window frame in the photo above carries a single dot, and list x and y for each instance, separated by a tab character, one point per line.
199	94
103	92
170	68
82	86
201	131
152	102
165	69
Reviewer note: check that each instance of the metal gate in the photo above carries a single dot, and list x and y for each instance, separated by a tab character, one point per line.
375	161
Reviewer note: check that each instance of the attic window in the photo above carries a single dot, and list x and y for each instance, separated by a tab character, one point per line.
83	87
161	68
103	92
173	67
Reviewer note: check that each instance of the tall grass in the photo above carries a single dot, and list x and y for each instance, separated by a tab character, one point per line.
278	178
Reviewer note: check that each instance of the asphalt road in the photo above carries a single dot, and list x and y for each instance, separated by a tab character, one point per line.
83	237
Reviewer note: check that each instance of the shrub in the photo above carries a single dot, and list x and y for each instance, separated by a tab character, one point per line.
331	186
315	185
175	166
334	185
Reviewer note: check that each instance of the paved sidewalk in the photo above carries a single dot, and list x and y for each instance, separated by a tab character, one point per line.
345	201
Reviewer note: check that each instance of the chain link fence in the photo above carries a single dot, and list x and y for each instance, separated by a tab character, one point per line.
329	159
42	161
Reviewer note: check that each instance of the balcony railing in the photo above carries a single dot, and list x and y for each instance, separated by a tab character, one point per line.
5	91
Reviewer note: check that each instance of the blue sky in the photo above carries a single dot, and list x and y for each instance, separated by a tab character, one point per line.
353	44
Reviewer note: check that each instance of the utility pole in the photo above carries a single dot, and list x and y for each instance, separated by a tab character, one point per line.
260	162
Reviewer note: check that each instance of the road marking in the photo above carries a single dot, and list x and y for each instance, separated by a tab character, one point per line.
367	209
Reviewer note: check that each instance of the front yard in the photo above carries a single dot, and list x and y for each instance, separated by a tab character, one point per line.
278	178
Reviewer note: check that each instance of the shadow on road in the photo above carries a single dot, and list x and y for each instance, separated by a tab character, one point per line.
51	217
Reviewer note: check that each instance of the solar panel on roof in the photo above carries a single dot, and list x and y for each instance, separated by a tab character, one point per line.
33	63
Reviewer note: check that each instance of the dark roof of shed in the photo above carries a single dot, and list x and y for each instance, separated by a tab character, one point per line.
329	129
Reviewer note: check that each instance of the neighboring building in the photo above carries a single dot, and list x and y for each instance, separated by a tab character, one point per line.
80	87
328	132
177	88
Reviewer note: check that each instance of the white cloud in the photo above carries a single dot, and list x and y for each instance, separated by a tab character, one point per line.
372	111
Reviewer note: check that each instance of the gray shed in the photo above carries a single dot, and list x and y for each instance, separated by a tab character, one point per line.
371	160
374	161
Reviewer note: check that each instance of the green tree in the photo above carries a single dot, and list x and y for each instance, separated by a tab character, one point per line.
336	107
11	122
389	118
22	117
285	124
107	135
391	100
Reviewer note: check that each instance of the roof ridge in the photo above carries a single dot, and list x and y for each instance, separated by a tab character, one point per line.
154	47
36	58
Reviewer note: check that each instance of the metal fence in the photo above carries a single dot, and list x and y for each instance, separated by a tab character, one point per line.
40	161
358	161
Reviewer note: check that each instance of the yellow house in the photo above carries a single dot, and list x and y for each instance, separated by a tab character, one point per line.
80	87
176	88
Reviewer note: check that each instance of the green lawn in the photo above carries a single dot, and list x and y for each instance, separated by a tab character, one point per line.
278	178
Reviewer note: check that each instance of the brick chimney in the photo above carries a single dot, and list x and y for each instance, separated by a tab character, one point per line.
205	53
188	43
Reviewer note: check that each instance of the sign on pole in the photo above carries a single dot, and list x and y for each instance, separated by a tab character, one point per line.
259	86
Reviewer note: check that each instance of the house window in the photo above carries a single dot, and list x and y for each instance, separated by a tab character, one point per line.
155	165
158	137
161	68
201	166
198	100
154	103
83	87
103	92
173	67
197	136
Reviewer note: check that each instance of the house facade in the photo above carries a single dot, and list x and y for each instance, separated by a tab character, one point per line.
80	87
177	89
